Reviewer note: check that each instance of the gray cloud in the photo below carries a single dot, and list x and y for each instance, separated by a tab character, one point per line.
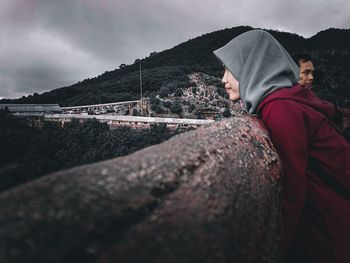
46	44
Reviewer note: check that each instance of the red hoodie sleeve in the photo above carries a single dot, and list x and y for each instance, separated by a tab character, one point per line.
284	120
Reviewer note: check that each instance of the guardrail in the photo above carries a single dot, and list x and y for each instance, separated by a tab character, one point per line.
120	118
100	105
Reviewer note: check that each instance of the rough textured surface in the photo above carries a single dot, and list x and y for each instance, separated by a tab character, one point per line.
210	195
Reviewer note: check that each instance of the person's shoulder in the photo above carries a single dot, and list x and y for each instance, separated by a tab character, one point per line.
281	105
284	94
282	111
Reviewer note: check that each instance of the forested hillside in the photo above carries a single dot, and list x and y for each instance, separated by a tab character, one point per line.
27	152
171	68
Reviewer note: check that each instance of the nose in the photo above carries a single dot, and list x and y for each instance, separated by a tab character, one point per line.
224	78
310	79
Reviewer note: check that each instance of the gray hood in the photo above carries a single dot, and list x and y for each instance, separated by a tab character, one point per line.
260	64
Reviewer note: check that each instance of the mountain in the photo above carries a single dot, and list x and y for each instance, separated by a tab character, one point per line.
332	38
171	69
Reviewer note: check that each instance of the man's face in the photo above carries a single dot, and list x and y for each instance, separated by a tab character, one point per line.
306	71
231	85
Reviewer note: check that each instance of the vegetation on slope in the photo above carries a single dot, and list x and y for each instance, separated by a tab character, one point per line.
330	49
27	153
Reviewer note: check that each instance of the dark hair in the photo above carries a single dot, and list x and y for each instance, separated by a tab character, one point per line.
301	58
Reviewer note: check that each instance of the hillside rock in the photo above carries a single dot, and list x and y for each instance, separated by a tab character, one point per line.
204	94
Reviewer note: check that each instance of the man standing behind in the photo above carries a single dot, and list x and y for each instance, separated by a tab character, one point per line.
324	92
306	69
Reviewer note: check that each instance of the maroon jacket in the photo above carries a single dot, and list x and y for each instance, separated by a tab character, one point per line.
315	214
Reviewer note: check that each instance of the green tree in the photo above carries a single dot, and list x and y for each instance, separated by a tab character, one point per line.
194	90
167	104
164	92
227	113
159	109
178	93
135	112
191	108
176	107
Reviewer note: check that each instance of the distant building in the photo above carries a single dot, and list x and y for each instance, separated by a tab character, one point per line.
31	109
209	114
33	113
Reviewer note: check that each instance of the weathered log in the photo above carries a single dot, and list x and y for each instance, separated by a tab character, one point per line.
210	195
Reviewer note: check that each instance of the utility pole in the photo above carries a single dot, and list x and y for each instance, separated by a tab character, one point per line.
141	89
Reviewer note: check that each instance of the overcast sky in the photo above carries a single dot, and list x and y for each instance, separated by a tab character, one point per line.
47	44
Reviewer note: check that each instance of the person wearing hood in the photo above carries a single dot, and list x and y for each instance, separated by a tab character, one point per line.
315	157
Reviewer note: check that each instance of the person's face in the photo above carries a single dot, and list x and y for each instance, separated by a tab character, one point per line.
231	85
306	71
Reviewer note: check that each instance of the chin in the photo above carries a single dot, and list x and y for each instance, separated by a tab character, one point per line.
234	98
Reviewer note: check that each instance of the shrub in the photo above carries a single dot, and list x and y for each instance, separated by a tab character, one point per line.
178	93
